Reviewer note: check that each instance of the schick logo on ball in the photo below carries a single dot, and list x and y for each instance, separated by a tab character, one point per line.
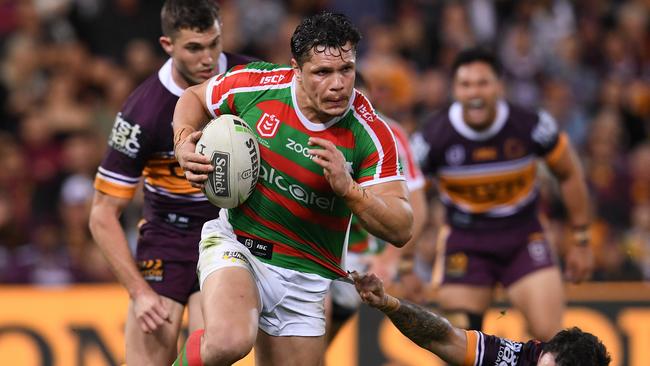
219	177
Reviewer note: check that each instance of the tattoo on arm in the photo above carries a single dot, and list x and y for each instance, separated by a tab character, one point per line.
420	325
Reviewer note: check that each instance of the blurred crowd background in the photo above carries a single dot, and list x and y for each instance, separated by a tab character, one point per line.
66	66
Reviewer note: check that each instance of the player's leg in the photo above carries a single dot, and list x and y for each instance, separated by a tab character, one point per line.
464	278
159	347
289	351
292	326
230	304
534	282
540	297
464	305
195	315
336	313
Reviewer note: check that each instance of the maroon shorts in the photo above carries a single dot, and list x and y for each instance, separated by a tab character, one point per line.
167	260
485	257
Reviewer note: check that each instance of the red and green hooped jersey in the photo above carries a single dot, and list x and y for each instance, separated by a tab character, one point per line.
360	241
293	206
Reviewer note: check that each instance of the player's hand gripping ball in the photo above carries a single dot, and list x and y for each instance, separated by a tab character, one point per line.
232	147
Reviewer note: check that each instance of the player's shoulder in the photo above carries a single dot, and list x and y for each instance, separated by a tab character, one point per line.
150	102
255	74
234	59
488	349
523	116
363	110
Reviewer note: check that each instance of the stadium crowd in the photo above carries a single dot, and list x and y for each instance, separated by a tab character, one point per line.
67	65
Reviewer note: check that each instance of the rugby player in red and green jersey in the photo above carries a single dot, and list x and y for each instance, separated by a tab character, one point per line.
569	347
162	279
325	154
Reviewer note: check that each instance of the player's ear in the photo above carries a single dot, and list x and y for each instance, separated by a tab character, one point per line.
296	69
166	44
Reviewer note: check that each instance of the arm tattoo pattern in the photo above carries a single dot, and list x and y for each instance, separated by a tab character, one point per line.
420	325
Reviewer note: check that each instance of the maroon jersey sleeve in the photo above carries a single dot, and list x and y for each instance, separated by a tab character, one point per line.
489	350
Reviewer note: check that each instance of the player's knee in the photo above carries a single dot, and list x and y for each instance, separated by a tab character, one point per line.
225	349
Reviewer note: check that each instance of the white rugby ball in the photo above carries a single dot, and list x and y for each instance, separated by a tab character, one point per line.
232	147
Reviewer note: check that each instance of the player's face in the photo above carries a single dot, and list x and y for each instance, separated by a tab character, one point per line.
477	88
195	54
327	81
546	359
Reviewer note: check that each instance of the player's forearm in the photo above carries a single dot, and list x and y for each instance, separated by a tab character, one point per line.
576	198
110	238
387	217
190	114
417	199
428	330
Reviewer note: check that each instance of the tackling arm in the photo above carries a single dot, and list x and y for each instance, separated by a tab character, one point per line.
426	329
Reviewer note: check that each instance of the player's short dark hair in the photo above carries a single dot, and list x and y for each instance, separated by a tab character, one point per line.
573	347
476	54
322	31
198	15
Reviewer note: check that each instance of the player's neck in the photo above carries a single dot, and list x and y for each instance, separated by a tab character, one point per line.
178	78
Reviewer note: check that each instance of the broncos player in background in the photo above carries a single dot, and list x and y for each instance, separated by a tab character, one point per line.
569	347
162	280
484	153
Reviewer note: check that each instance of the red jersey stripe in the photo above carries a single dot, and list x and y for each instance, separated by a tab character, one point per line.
302	212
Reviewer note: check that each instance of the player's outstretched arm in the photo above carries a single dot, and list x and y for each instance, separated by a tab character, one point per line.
105	227
190	116
426	329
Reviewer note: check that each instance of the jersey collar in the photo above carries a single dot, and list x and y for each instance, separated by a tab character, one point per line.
456	118
165	74
311	126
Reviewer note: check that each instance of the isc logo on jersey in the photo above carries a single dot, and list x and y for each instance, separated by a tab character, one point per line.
124	137
275	79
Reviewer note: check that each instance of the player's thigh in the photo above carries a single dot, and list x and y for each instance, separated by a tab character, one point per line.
474	299
159	347
289	351
195	315
230	304
540	297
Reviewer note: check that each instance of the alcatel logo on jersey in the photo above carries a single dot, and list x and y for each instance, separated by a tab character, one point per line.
267	126
275	79
124	137
296	191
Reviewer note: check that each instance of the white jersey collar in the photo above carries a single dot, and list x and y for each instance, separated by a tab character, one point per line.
457	121
311	126
165	74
